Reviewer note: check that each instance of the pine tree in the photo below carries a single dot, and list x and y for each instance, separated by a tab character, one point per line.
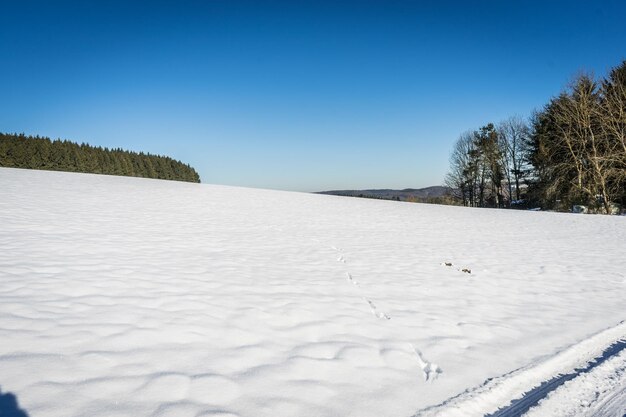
21	151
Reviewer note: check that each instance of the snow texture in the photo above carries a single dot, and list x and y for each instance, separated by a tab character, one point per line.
126	296
512	395
601	392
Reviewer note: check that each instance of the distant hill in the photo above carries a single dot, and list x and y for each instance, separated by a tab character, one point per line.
34	152
435	194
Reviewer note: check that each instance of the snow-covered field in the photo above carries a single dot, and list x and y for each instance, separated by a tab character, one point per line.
125	296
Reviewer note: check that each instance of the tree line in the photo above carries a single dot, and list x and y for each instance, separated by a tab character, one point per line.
34	152
571	152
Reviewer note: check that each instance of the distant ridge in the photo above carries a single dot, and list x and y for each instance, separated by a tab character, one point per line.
434	194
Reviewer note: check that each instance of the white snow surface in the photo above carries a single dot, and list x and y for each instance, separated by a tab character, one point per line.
127	296
572	399
599	393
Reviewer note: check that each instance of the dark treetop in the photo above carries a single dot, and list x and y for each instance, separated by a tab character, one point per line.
20	151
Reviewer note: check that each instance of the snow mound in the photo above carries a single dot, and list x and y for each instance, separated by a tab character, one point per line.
126	296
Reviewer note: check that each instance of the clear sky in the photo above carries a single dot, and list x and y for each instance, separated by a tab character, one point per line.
294	95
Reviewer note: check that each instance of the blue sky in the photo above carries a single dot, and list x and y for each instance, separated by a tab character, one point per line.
294	95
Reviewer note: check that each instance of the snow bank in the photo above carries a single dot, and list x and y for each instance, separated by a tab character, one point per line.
575	368
125	296
599	393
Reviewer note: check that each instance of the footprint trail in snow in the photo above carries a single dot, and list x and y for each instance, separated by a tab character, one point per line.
430	370
375	311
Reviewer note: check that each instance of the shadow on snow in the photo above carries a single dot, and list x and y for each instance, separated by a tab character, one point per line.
9	406
520	406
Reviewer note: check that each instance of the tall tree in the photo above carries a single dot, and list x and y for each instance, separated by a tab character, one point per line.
460	177
513	135
578	117
613	125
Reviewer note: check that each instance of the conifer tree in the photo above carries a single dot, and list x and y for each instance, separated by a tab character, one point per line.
20	151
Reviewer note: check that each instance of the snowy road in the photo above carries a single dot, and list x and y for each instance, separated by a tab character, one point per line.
571	383
597	393
126	296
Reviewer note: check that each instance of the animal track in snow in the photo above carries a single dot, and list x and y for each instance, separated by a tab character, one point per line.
352	280
431	370
375	312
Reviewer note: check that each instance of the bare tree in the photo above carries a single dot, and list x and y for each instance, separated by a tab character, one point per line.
513	135
475	168
578	116
460	177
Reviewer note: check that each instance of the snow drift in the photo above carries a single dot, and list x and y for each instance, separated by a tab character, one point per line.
125	296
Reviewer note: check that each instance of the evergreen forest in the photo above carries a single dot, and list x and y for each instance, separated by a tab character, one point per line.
34	152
